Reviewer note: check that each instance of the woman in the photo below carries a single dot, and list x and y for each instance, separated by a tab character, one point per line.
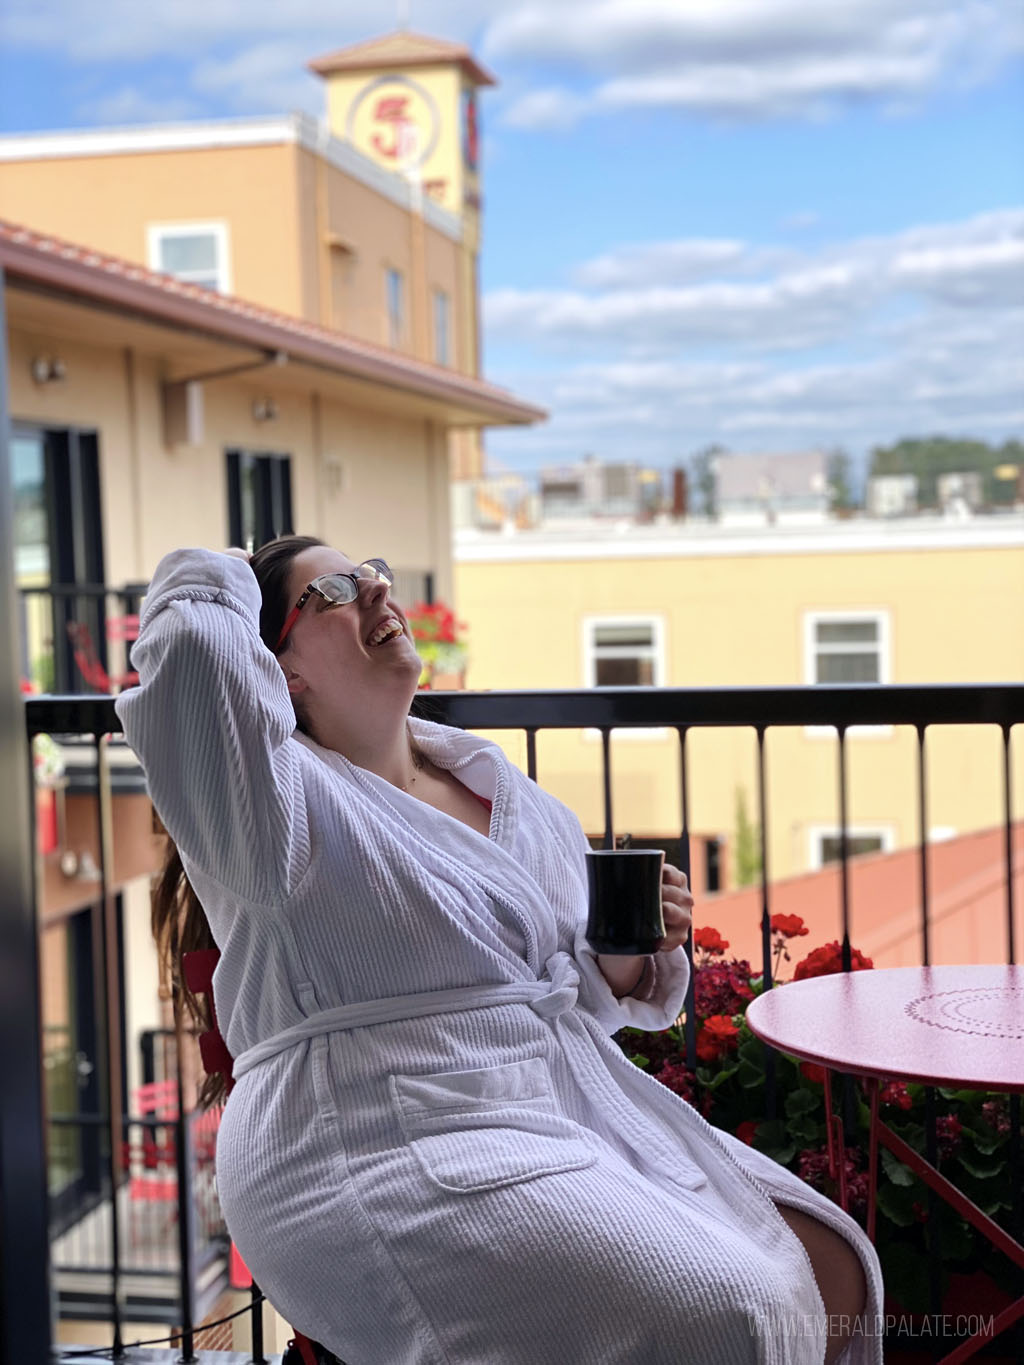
434	1152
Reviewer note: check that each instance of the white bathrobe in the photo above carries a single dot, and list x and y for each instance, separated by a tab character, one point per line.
434	1151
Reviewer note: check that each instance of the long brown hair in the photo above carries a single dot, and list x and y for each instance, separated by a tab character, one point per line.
178	919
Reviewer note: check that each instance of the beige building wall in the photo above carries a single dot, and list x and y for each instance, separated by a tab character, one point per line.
109	202
346	462
739	619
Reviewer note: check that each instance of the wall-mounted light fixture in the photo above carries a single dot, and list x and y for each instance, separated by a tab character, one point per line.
47	369
264	410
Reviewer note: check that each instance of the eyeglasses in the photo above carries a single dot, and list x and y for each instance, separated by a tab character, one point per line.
337	589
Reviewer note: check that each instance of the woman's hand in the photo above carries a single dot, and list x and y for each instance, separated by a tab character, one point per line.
676	908
236	553
625	974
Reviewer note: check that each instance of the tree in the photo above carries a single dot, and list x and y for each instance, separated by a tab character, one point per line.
929	457
747	862
703	478
840	487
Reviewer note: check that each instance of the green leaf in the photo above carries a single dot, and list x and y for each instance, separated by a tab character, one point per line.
750	1077
804	1129
772	1131
802	1102
897	1204
895	1170
905	1275
724	1075
783	1155
638	1059
978	1167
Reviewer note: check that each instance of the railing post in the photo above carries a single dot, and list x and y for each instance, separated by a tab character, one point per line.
24	1265
186	1211
110	975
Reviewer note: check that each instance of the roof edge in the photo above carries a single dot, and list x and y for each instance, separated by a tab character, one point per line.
93	276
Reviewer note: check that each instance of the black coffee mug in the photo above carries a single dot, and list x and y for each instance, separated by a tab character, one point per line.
625	900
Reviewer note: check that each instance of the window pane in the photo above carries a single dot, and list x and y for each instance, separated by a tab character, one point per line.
394	307
624	672
846	632
189	251
441	327
31	528
847	668
628	633
855	843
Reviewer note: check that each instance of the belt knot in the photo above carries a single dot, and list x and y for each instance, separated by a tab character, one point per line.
564	992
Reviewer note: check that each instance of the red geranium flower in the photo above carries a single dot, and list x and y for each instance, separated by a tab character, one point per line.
678	1078
827	960
895	1092
789	926
709	940
717	1036
812	1072
746	1130
948	1130
722	988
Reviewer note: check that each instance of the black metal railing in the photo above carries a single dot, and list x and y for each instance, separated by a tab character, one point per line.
758	710
75	637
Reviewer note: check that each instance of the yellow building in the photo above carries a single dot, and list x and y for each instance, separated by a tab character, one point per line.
922	601
367	223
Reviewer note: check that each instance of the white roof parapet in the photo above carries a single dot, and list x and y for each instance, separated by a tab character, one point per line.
220	133
590	541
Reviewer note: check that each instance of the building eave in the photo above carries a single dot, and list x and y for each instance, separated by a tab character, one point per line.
89	276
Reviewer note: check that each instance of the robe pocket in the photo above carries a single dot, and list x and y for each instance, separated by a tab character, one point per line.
490	1127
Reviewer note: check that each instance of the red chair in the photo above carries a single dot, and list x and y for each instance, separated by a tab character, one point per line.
198	967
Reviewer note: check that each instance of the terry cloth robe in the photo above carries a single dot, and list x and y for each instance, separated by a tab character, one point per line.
434	1151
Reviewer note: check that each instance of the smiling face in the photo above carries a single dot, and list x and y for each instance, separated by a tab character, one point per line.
351	654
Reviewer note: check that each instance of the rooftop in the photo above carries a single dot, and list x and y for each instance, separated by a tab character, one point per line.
402	49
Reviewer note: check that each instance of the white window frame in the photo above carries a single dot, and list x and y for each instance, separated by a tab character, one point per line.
657	656
881	616
817	834
156	233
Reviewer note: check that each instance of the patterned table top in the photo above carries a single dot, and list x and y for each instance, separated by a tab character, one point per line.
951	1026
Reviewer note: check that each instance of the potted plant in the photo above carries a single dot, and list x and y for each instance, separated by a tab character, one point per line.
443	653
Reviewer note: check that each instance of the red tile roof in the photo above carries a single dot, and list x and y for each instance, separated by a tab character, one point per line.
967	898
401	50
90	275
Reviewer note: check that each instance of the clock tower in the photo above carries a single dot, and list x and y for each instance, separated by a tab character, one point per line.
409	102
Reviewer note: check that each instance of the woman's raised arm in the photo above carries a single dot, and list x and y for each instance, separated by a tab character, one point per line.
210	722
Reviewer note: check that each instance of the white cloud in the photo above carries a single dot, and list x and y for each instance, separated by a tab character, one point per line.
130	105
909	334
267	76
753	58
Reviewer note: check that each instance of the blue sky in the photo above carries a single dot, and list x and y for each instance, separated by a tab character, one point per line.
764	223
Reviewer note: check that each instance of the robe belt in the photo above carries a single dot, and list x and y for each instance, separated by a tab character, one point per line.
549	997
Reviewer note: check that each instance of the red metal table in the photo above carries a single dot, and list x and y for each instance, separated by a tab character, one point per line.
961	1027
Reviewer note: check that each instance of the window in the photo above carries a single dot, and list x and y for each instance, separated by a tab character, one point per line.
824	842
623	653
442	328
847	647
396	307
259	498
194	252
